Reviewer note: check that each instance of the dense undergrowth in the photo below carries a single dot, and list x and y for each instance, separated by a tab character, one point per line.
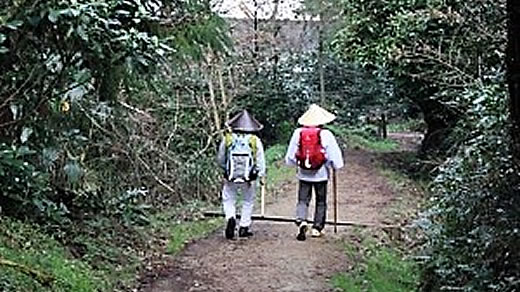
380	268
474	219
28	245
103	257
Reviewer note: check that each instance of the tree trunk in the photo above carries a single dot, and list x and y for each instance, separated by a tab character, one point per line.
255	27
439	118
320	59
383	126
513	71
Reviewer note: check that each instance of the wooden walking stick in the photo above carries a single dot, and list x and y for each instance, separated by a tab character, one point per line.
335	193
262	198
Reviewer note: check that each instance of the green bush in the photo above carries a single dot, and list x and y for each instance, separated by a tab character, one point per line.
475	234
28	246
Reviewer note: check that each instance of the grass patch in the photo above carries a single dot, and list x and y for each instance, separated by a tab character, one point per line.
370	143
411	125
277	170
25	244
409	194
364	139
383	269
184	232
100	254
396	179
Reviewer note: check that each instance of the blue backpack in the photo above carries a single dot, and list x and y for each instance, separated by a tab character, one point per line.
241	157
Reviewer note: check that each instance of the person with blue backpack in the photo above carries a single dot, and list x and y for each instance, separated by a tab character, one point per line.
314	150
241	156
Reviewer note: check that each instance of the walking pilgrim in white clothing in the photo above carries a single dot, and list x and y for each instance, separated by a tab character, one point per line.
313	138
241	156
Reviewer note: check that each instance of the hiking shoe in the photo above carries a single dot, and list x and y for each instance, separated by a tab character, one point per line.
244	232
230	228
301	232
316	233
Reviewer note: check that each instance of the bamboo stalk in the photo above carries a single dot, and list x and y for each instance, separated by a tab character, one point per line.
41	277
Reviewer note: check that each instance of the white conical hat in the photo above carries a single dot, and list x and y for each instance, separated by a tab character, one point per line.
316	116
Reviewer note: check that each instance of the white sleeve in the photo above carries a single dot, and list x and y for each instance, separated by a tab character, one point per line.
290	156
332	150
260	157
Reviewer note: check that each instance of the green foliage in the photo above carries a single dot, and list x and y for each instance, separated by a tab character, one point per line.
23	185
383	269
275	153
96	135
70	67
410	125
475	216
277	170
183	232
280	92
432	49
277	94
447	56
56	58
192	41
364	138
27	245
403	34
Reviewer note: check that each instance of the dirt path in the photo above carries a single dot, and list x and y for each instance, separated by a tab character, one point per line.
273	260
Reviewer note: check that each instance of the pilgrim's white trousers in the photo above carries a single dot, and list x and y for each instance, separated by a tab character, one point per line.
229	195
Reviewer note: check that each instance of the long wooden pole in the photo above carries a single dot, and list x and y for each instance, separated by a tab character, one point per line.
213	214
335	193
262	200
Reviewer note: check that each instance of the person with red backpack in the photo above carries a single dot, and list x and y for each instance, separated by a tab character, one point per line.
241	156
314	150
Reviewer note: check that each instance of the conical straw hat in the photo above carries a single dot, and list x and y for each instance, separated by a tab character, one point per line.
316	116
244	122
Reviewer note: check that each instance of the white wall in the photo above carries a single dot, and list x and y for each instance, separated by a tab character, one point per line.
243	9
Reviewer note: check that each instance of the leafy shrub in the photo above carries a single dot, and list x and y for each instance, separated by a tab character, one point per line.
27	245
475	236
25	187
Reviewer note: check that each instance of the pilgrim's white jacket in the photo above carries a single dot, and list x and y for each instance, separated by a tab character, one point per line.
333	155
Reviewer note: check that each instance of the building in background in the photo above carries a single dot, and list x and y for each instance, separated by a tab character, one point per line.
266	29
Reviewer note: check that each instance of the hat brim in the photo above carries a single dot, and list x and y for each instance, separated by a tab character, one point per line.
316	116
244	122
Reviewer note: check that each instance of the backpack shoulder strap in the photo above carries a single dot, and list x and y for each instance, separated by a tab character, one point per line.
229	139
253	145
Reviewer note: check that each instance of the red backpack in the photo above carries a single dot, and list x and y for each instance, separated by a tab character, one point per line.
310	154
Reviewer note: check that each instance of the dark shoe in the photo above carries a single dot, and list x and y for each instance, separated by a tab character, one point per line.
230	228
301	232
244	232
